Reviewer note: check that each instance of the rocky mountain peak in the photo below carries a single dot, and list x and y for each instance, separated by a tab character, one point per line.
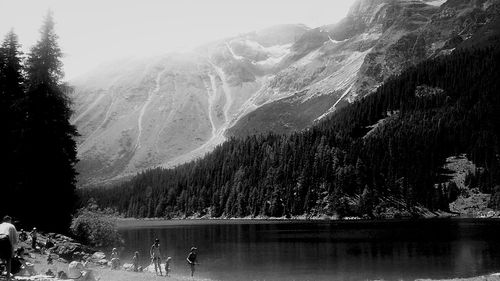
365	9
135	115
376	16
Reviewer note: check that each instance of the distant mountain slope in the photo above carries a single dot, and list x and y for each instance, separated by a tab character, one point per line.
140	113
379	157
163	111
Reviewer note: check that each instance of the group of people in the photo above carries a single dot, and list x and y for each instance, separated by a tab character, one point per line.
33	234
9	238
13	260
155	254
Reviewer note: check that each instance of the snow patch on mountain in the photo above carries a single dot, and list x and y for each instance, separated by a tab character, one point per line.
227	91
344	77
335	41
235	56
212	94
436	3
334	107
276	55
83	146
150	97
307	59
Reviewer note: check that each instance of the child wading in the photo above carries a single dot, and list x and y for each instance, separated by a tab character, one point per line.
167	266
135	261
155	256
191	259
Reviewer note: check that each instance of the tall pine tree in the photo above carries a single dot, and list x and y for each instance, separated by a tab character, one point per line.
49	148
11	118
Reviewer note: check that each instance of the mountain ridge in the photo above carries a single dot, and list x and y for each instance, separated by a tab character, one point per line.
245	85
383	156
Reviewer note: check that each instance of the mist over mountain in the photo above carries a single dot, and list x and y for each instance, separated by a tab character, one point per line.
136	114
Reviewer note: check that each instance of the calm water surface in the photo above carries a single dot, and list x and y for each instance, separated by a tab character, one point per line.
354	250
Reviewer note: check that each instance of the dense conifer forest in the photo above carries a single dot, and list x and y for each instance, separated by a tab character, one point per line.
37	143
386	147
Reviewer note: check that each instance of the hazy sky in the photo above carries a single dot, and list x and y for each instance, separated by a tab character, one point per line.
94	31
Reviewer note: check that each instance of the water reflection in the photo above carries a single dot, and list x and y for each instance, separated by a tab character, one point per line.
327	251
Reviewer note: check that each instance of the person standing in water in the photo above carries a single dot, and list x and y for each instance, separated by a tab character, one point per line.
191	259
156	256
135	261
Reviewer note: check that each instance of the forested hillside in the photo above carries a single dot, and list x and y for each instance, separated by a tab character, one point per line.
389	144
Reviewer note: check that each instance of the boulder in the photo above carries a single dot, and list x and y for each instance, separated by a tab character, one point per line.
75	269
151	268
70	250
59	238
62	275
128	267
97	256
103	262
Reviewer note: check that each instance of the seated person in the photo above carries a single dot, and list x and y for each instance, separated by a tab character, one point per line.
20	266
49	243
23	236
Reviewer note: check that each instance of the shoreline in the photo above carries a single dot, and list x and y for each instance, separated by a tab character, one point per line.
39	267
489	277
151	222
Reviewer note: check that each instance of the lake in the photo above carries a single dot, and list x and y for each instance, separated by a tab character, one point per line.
322	250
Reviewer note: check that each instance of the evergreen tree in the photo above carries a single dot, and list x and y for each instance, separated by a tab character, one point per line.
11	122
44	62
48	147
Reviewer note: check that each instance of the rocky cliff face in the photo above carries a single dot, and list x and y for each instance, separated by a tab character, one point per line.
350	59
163	111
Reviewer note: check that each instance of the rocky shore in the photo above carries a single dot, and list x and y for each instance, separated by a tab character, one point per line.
47	264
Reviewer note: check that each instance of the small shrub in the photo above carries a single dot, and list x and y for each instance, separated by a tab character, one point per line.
95	227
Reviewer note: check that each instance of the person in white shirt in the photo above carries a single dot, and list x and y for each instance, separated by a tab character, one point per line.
8	241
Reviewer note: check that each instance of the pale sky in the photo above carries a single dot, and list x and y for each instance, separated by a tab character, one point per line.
95	31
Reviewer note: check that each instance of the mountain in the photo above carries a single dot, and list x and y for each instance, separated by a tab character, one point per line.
352	58
137	114
386	155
